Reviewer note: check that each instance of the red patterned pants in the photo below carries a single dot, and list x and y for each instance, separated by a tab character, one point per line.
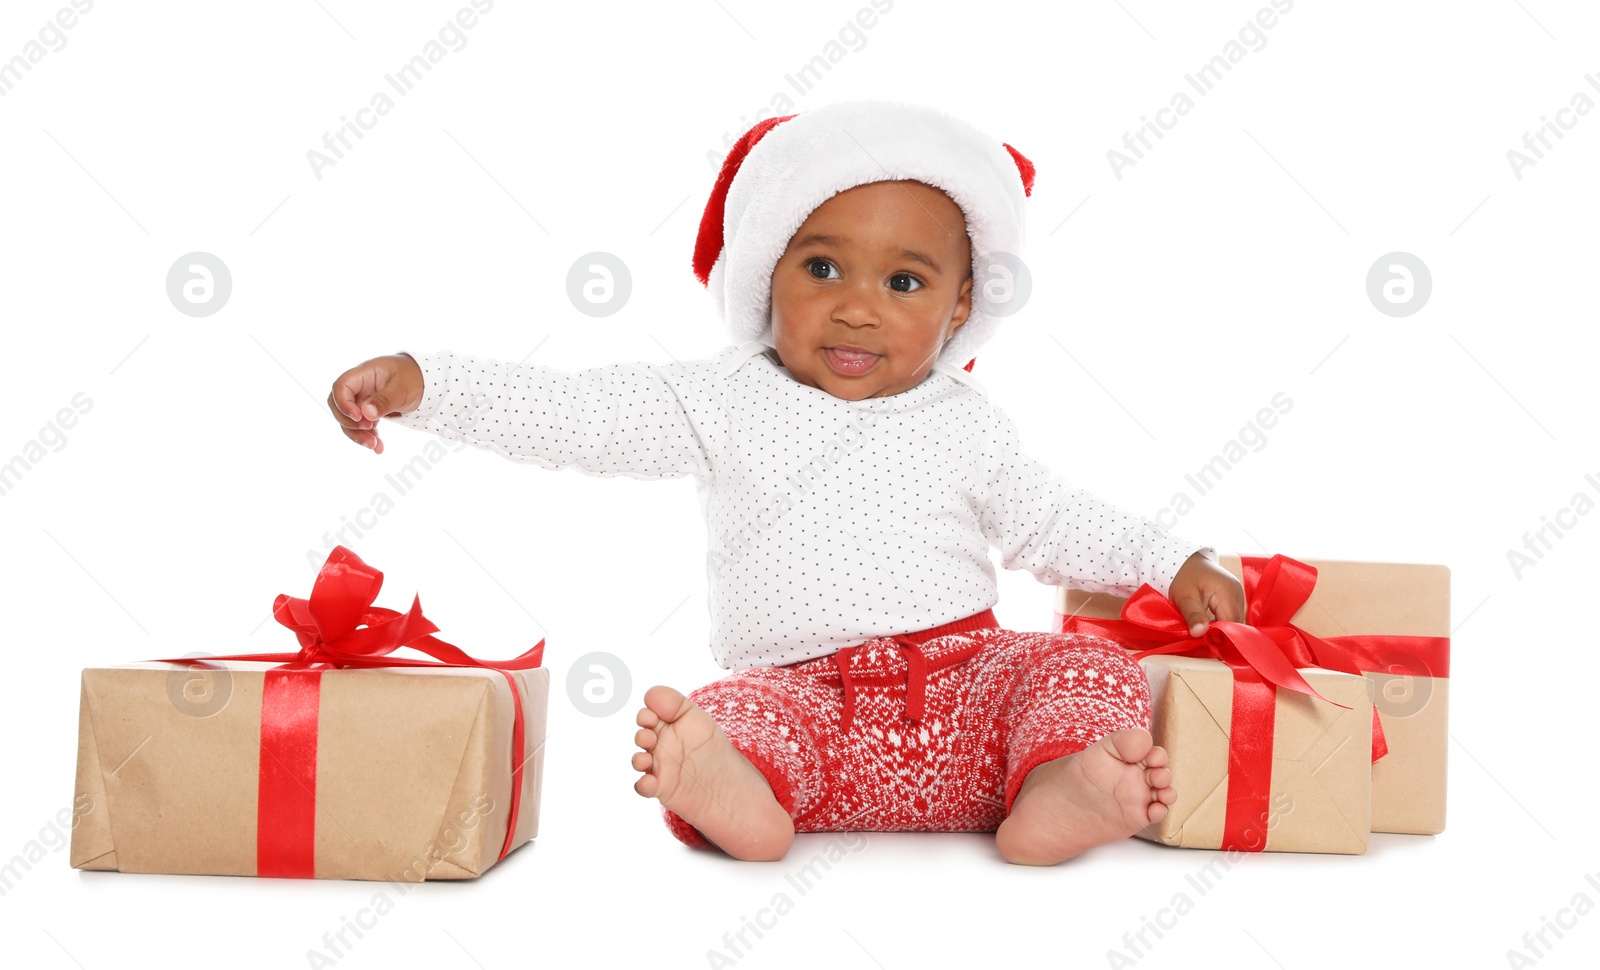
931	731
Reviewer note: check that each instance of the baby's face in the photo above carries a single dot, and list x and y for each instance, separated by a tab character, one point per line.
861	287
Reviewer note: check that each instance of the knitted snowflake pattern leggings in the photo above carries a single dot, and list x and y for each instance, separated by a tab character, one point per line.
931	731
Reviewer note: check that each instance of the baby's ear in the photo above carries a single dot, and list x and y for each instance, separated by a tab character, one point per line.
963	308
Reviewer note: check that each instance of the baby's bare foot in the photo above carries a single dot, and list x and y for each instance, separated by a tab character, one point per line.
696	772
1108	791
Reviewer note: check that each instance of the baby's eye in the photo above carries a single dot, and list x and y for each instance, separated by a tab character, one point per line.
907	276
810	263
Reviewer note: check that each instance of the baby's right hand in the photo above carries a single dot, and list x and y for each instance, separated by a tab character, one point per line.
381	387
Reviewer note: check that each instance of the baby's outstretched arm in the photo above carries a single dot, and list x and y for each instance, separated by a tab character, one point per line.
643	420
381	387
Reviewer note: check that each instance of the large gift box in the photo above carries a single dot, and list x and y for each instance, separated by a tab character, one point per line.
1387	622
340	761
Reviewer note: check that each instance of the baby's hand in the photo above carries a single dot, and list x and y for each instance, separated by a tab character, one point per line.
381	387
1203	591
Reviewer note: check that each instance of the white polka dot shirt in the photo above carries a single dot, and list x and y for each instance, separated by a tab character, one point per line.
829	522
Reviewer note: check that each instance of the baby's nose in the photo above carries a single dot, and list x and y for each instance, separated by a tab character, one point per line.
859	306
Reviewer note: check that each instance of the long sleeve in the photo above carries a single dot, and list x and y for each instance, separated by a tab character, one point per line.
641	420
1065	536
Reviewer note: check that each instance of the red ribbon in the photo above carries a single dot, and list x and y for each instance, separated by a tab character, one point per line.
1263	654
338	627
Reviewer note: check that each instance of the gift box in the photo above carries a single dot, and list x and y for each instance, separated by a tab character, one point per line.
340	761
1388	622
1312	794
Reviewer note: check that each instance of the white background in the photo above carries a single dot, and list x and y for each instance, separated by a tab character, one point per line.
1226	266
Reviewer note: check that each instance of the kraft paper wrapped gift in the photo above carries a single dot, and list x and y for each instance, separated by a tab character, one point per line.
1390	622
1319	795
339	762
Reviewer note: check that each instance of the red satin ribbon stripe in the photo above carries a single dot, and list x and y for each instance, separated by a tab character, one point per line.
1263	654
288	772
338	627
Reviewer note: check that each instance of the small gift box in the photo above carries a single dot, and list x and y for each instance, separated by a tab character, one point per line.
336	762
1388	622
1293	777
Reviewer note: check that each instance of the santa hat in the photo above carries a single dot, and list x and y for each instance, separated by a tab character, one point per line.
782	169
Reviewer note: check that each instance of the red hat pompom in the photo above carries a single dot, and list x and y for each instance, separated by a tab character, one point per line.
1024	166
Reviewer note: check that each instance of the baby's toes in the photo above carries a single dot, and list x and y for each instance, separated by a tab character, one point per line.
1157	758
645	738
646	718
1157	778
643	761
647	785
1130	745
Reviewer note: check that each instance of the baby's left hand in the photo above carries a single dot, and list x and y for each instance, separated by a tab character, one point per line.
1203	591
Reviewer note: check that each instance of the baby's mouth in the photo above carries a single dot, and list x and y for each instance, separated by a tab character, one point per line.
850	363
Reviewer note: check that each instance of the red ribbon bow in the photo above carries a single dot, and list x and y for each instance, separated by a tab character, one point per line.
1263	654
339	627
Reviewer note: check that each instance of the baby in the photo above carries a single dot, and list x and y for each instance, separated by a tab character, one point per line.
853	477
